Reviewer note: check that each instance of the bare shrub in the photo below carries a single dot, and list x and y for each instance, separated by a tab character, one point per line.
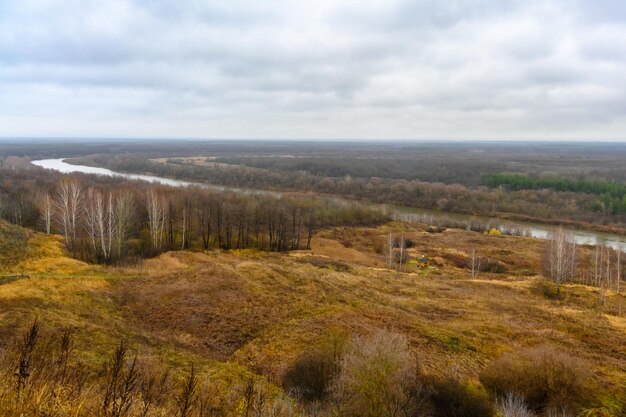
257	402
121	380
512	405
25	350
378	377
493	266
36	373
545	376
186	398
214	401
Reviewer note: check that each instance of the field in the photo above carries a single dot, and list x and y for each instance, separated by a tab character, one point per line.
241	314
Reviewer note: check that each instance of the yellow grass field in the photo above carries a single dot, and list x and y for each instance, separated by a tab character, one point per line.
245	313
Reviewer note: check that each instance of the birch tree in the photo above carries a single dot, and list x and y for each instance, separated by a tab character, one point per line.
618	269
401	257
474	263
69	201
560	256
124	213
46	207
618	277
157	217
204	220
390	245
185	224
100	221
572	266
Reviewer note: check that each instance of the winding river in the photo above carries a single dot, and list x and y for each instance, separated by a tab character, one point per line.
536	230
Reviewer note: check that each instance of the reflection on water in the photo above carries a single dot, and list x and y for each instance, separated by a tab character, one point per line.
536	230
62	166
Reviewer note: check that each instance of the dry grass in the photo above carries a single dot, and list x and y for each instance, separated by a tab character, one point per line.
243	313
261	311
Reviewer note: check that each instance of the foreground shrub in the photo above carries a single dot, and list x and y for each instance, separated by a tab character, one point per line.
378	377
40	377
313	371
513	405
450	398
546	377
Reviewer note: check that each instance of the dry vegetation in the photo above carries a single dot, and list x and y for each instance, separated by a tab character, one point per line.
289	334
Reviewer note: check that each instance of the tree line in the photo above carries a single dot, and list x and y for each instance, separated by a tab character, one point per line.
546	204
612	194
112	221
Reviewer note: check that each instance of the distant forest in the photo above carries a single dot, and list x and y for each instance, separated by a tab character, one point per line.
613	194
545	182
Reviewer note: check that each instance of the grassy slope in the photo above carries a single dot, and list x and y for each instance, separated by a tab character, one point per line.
239	313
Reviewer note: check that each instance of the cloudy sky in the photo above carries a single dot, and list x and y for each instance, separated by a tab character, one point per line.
377	69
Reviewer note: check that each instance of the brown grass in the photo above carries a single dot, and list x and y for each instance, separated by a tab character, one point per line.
243	313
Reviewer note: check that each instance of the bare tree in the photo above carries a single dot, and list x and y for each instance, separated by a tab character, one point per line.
186	399
560	256
123	211
122	378
597	265
474	262
100	221
390	245
618	277
618	269
108	222
46	207
157	217
185	224
572	269
69	198
204	219
401	245
605	282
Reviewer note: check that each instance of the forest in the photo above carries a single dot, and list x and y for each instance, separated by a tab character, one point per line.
447	176
102	220
612	194
541	204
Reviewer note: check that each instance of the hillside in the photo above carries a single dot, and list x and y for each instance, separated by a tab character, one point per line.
246	314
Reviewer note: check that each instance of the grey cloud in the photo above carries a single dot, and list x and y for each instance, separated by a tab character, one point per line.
387	68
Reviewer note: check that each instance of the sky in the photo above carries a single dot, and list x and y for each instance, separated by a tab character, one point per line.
323	69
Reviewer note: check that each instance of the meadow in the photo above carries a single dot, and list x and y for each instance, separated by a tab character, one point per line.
255	327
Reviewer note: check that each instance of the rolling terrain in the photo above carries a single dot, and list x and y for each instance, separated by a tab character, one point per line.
245	315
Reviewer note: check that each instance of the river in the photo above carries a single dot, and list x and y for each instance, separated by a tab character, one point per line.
536	230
